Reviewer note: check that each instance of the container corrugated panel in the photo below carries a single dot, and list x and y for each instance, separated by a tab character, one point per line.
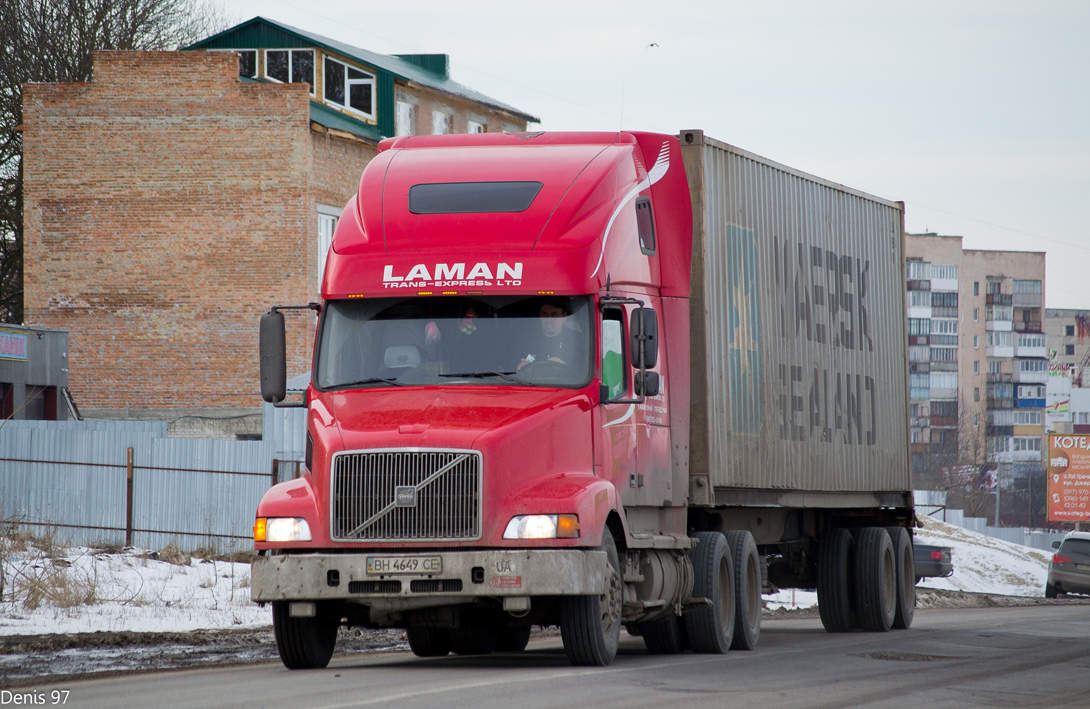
799	367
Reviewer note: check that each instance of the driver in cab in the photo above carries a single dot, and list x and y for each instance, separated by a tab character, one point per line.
550	346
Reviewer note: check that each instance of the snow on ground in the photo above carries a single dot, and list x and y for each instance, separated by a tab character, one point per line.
49	589
983	564
82	590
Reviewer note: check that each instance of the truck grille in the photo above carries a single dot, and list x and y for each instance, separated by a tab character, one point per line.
406	495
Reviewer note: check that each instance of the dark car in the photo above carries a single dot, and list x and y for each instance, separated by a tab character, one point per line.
932	560
1069	570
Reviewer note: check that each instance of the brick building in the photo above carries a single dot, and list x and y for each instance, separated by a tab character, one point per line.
171	200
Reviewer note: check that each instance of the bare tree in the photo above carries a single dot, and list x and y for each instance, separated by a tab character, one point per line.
52	41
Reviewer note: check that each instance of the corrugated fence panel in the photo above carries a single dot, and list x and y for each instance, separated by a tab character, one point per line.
288	427
805	337
83	482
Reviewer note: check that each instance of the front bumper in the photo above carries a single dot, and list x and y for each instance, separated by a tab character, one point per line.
465	575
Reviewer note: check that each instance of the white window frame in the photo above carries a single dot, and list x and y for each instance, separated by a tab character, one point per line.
472	124
327	224
289	50
405	125
436	114
348	84
240	51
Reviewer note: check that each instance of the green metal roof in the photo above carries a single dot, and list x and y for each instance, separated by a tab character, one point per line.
423	69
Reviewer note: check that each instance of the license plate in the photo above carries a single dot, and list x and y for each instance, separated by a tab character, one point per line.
391	565
1082	567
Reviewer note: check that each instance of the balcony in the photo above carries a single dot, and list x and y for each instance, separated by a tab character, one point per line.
1000	351
919	311
1027	300
919	340
919	367
1029	404
944	421
920	422
944	393
919	285
944	284
942	311
1000	377
1025	456
999	325
997	431
1031	377
1031	326
999	299
1030	352
1001	457
944	366
1000	403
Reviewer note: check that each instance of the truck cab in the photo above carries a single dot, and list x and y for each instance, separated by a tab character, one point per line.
500	357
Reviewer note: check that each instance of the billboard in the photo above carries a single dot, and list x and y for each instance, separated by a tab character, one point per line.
1068	478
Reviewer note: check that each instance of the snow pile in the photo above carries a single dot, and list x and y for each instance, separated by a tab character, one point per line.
53	589
983	564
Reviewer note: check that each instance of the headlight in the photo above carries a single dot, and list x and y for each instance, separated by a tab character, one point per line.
281	529
542	527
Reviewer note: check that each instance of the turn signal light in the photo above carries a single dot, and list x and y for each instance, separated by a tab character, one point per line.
260	525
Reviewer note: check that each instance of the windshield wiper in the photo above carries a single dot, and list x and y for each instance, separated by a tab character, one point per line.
481	375
373	380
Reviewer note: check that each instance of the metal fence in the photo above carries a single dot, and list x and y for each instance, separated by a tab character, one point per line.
125	482
933	503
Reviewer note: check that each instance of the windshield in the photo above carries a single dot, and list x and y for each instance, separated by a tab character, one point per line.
496	340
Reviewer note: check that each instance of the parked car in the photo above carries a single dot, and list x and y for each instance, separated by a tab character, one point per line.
932	560
1069	570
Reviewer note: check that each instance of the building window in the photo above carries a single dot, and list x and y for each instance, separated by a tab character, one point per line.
948	273
944	354
474	127
995	287
976	287
976	366
40	404
1031	341
1069	349
295	66
976	314
976	393
1025	443
406	118
1069	330
919	270
1027	287
1083	417
1000	339
944	300
247	61
919	299
440	122
1032	365
976	341
327	224
1027	418
995	366
976	420
919	326
348	87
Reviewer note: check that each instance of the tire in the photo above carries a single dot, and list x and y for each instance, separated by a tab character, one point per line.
665	637
304	643
590	626
428	642
513	639
711	628
905	566
875	580
1050	590
473	641
747	589
836	559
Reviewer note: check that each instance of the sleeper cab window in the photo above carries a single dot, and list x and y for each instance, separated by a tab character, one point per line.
294	66
349	87
646	224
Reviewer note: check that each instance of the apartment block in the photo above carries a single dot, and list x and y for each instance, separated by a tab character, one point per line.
978	361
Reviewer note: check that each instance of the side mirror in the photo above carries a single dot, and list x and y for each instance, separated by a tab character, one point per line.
274	364
1056	544
646	384
645	347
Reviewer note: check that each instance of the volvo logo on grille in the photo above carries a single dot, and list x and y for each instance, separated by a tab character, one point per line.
405	496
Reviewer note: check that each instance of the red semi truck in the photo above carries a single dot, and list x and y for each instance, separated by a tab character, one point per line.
594	380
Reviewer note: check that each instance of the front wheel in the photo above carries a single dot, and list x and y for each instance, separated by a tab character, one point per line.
304	643
590	626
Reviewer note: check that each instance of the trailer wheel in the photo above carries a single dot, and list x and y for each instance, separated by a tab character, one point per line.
473	641
665	637
590	626
428	642
747	589
304	643
906	577
711	628
836	559
876	580
513	639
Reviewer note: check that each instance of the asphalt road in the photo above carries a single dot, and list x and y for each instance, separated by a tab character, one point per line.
1020	656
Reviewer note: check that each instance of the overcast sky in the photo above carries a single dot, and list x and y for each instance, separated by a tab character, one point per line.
975	114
